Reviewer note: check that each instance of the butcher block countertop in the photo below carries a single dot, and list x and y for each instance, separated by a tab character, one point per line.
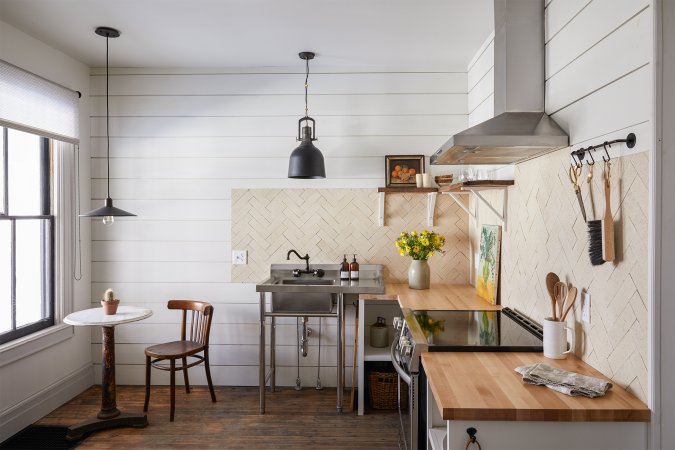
457	297
484	386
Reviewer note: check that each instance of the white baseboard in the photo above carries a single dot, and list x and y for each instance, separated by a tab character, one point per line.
19	416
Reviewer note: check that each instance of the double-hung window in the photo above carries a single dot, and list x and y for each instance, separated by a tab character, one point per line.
26	234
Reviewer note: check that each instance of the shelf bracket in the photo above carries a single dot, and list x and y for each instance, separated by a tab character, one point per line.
461	203
501	216
431	208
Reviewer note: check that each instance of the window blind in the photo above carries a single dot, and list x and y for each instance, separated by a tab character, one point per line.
33	104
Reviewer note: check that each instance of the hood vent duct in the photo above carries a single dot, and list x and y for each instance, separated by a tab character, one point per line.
520	130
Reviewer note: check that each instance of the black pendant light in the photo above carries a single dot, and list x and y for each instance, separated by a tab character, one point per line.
306	161
107	211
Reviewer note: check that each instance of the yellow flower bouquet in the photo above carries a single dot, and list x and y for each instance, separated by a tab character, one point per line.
420	246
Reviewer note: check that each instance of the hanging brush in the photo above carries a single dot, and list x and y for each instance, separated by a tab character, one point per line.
594	226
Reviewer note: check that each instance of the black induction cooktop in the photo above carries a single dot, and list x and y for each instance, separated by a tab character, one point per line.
505	330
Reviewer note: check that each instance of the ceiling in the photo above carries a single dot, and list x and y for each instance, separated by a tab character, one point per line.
365	34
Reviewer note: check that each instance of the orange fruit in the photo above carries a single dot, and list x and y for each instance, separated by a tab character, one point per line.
397	168
394	174
411	171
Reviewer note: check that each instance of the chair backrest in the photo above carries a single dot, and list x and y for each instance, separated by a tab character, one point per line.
197	326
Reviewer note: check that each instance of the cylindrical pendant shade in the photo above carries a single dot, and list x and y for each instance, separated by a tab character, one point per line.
306	161
107	210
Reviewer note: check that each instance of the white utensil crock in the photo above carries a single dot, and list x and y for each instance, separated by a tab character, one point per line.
555	339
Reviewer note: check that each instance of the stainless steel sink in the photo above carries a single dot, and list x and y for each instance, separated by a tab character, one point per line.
308	281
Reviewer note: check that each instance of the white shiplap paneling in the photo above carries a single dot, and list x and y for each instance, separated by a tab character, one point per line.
594	23
180	142
481	84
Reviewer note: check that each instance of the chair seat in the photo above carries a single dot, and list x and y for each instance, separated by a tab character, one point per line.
175	349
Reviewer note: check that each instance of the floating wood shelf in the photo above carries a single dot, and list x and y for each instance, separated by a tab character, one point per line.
475	185
406	190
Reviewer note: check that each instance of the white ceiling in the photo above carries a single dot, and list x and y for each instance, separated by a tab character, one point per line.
368	34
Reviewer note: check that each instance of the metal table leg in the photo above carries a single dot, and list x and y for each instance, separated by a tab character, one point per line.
262	353
340	359
273	351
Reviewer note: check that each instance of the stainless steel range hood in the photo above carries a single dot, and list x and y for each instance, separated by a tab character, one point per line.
520	130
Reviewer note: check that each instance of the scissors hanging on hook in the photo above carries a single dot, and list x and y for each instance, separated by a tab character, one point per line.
575	178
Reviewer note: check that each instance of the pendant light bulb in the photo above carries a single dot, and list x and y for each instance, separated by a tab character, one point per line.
108	212
306	160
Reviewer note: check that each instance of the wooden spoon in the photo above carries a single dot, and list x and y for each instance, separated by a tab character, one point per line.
569	303
560	290
551	280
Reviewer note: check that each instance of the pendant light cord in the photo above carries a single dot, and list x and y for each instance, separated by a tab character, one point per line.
306	80
107	111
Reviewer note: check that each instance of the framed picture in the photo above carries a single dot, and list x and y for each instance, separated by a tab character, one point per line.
487	277
401	169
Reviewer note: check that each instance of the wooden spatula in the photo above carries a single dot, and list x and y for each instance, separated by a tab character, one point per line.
569	303
551	280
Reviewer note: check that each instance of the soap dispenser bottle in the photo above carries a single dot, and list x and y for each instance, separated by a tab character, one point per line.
344	269
354	269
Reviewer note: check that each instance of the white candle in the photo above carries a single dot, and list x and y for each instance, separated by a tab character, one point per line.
418	180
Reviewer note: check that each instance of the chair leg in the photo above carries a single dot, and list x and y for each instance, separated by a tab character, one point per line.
208	375
185	376
173	388
147	383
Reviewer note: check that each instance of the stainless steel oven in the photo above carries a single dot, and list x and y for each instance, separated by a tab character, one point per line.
422	331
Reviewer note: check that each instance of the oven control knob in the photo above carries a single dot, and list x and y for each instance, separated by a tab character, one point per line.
406	349
398	323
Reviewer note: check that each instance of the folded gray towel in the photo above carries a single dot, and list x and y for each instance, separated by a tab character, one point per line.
564	381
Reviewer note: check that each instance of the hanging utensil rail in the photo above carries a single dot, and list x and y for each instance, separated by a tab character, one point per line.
579	155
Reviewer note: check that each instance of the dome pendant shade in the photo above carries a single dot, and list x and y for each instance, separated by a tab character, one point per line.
107	210
306	160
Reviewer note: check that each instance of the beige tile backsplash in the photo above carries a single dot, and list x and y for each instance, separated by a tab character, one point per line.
547	233
327	223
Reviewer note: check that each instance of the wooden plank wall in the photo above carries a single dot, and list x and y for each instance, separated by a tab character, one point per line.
182	140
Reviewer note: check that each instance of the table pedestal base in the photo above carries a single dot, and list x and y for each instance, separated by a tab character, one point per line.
137	420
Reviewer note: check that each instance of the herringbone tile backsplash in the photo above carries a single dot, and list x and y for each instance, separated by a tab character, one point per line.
546	233
327	223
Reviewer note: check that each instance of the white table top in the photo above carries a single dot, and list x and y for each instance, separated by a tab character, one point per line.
95	316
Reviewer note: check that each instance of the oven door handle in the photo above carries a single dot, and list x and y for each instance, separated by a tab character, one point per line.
397	364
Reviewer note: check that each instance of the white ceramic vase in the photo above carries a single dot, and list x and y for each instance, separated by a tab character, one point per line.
419	275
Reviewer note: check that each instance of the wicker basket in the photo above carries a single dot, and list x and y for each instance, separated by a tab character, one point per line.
383	390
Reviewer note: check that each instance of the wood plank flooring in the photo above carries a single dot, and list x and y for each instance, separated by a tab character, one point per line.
298	420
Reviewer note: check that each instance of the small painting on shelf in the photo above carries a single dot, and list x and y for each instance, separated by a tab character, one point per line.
487	282
401	169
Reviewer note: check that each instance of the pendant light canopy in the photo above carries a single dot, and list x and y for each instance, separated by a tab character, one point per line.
107	211
306	161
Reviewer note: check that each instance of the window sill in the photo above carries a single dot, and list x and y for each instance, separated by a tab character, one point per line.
36	342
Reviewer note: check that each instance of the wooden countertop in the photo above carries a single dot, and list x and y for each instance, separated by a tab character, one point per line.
457	297
484	386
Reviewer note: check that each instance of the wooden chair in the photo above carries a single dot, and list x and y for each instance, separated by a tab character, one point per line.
194	338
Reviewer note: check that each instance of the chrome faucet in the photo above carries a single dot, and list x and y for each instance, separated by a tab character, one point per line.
297	272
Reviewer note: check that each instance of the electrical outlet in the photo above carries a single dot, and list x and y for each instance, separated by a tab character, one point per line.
586	306
239	257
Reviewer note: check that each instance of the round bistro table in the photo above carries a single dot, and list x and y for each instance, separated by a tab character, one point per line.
109	416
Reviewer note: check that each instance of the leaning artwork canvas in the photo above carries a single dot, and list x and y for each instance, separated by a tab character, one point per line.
487	282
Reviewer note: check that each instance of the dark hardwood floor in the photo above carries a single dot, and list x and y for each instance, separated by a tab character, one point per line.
298	420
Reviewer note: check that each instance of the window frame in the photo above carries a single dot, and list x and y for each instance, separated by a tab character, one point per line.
48	244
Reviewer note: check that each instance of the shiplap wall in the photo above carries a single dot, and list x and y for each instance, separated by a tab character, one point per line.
598	87
481	83
182	140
